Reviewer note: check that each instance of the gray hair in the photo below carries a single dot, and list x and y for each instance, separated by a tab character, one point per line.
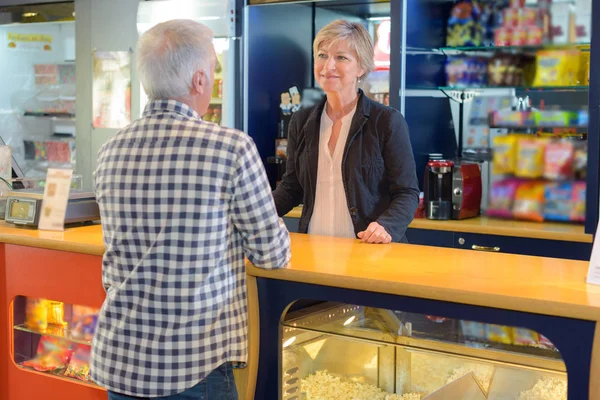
170	53
355	35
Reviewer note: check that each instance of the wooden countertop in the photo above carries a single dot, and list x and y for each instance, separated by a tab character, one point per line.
493	226
84	239
515	282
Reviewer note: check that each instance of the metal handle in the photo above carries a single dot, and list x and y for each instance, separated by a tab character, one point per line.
486	248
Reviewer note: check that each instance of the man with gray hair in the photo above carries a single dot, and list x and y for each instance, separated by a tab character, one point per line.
182	201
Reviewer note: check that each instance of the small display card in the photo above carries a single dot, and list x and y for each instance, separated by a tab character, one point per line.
54	202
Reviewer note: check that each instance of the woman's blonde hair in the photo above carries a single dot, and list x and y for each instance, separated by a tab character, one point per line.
355	35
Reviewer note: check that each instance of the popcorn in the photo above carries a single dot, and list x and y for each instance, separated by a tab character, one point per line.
546	389
325	386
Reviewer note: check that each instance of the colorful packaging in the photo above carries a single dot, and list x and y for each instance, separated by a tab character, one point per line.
36	314
545	342
473	330
529	201
464	25
528	17
525	337
56	313
502	197
583	77
519	36
79	366
499	334
580	159
505	154
558	160
557	205
502	36
84	322
535	36
578	202
557	68
511	17
530	157
52	353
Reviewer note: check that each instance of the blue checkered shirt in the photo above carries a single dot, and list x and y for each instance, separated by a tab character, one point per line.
181	201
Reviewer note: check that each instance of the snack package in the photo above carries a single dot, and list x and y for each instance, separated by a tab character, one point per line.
524	337
52	353
56	313
79	366
559	157
557	205
464	25
281	148
578	202
466	71
84	322
473	330
580	159
545	342
499	334
529	201
502	197
530	157
557	67
36	314
505	154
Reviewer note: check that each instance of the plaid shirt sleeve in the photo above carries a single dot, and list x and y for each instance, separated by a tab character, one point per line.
266	239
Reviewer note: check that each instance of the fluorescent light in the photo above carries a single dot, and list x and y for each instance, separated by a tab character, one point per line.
378	19
350	320
207	18
289	342
29	14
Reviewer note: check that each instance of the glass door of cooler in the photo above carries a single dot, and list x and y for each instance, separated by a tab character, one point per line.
505	84
220	17
37	77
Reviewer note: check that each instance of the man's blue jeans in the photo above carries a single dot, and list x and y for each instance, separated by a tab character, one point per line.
218	385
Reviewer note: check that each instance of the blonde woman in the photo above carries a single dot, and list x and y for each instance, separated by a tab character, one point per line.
350	161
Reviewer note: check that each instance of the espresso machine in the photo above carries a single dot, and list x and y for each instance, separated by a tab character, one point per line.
452	190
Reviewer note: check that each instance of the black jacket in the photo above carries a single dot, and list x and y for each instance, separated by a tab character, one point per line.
378	168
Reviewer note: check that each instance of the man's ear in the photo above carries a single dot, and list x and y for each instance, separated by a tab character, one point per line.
199	82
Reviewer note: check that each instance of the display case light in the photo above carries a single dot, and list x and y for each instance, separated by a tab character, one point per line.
350	320
29	14
289	342
373	19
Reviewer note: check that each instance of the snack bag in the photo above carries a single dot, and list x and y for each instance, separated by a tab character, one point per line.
505	154
84	322
545	342
529	201
524	337
56	313
499	334
36	314
52	353
559	157
530	158
557	68
557	205
578	202
464	26
79	366
473	330
580	159
502	197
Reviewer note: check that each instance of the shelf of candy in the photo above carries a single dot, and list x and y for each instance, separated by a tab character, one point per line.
543	178
539	119
53	151
530	48
482	25
65	333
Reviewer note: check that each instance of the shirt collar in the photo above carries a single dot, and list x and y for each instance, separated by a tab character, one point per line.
173	106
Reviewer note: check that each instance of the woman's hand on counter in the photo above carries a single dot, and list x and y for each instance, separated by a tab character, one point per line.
375	233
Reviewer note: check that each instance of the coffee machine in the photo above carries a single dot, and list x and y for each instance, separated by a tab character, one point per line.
452	190
438	189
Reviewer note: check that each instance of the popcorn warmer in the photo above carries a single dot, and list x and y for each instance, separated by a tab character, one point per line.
335	351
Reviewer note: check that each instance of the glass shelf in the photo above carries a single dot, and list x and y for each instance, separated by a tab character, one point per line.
54	331
59	373
518	88
515	49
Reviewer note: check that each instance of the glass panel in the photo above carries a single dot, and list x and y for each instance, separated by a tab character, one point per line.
508	83
342	351
53	337
37	76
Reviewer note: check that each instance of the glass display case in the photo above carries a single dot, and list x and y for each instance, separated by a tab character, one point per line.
53	337
338	351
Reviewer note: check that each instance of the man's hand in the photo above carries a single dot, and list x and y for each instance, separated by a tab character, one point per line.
375	233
